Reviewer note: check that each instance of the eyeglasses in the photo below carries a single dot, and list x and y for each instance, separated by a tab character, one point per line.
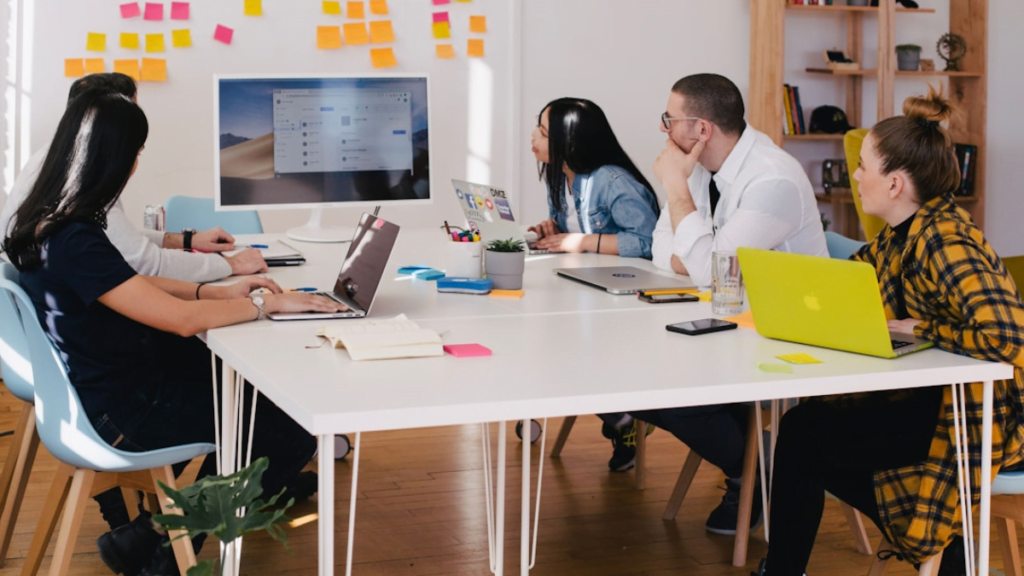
667	120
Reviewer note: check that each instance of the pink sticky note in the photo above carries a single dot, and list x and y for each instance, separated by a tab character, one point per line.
130	10
440	2
467	350
223	34
179	10
154	11
440	17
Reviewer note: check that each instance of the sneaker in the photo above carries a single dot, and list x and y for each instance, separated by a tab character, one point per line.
127	549
623	445
722	520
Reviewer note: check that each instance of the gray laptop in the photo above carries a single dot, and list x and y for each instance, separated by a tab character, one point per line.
361	273
488	210
623	279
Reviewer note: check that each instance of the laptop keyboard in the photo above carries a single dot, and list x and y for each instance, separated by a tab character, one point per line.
897	344
339	301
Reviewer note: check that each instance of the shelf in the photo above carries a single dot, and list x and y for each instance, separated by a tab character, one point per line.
919	73
854	9
836	137
845	196
842	72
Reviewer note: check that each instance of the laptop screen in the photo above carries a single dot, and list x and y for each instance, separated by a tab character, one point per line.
367	258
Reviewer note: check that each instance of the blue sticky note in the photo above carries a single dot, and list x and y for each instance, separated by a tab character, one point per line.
428	274
410	270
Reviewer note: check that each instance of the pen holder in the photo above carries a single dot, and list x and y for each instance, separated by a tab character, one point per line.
464	259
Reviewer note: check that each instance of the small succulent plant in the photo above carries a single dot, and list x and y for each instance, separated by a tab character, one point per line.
509	245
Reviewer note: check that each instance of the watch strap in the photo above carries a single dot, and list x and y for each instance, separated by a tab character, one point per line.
186	241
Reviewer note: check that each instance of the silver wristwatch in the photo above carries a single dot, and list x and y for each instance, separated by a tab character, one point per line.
257	301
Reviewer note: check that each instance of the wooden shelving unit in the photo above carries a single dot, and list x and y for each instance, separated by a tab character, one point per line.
967	88
845	219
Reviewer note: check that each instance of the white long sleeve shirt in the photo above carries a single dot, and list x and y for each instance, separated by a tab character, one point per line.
141	249
766	202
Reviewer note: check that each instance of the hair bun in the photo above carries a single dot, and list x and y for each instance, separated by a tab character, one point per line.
931	108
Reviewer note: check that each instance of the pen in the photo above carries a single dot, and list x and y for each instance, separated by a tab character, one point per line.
259	246
447	228
307	289
670	291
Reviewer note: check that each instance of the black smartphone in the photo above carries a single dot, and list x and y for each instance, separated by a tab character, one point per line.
701	326
667	298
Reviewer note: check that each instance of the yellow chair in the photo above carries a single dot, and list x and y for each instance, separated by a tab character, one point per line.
1015	266
852	142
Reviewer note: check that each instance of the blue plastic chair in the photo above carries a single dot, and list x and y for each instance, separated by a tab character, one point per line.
198	213
85	458
840	246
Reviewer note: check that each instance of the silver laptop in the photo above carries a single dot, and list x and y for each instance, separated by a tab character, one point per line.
361	273
623	279
488	210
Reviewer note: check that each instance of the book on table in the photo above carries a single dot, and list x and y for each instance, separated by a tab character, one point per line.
385	339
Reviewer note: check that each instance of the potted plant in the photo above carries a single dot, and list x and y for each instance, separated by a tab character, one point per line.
908	57
504	264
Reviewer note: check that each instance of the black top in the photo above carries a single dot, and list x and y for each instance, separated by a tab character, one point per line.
715	195
901	231
107	354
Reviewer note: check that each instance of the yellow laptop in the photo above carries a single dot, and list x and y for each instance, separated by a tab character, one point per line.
822	302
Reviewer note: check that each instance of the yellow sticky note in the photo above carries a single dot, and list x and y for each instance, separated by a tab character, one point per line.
478	24
775	368
745	319
154	42
704	296
799	358
463	0
254	7
355	33
96	42
442	30
74	68
95	66
515	294
129	68
379	7
328	37
154	70
445	51
130	40
383	57
181	38
332	8
475	48
381	31
356	10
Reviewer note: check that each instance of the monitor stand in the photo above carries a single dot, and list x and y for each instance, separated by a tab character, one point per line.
312	231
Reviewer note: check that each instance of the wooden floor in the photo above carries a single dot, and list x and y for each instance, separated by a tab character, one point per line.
421	512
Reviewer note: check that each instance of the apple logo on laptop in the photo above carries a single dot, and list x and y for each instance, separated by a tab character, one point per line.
812	303
623	275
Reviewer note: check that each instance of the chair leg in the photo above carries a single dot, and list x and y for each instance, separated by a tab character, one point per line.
856	522
641	453
131	502
739	551
689	470
184	554
563	435
153	503
879	565
930	567
14	478
71	523
48	519
1007	531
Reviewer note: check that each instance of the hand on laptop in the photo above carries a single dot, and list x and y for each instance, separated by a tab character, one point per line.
301	302
213	240
241	289
248	261
544	229
571	242
905	326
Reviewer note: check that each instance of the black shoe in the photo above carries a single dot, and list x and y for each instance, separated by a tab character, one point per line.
301	488
952	563
623	453
162	561
722	520
129	548
760	568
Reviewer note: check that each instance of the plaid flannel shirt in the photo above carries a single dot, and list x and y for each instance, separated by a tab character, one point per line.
955	284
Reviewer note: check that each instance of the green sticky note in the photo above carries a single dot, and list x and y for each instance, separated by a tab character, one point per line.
799	358
775	368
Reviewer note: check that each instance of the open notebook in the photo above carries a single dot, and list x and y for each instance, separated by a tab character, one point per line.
396	337
276	253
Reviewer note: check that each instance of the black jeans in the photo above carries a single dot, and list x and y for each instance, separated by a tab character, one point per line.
717	433
823	447
178	410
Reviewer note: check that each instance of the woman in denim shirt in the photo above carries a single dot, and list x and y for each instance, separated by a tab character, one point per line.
597	198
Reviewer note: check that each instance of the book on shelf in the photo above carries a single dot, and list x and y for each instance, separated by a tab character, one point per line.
967	158
787	109
811	2
794	113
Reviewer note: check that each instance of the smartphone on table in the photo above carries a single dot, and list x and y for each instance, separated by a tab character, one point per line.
704	326
667	298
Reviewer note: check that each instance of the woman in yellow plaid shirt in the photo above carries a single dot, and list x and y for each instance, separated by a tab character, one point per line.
891	455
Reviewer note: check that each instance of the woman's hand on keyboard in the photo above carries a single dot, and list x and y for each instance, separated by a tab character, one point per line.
905	326
300	302
241	289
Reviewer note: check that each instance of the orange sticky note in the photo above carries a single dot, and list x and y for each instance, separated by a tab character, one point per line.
328	37
383	57
332	8
478	24
254	7
381	31
96	42
129	68
475	48
445	51
129	40
356	10
442	30
355	33
181	38
154	70
379	7
154	42
95	66
74	68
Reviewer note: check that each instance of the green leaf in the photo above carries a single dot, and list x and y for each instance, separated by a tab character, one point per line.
204	568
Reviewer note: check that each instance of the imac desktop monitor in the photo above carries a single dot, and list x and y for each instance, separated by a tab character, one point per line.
288	141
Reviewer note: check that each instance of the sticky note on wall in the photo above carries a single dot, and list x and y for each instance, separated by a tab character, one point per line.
154	70
478	24
355	33
383	58
129	40
74	68
254	7
440	2
328	37
379	7
96	42
442	30
445	51
180	10
181	38
223	34
475	48
154	11
129	68
356	10
95	66
154	42
381	32
440	17
332	8
130	10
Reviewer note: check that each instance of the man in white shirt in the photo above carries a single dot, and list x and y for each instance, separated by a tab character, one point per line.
149	252
728	185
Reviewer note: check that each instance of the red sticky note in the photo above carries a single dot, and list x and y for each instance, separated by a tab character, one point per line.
130	10
154	11
180	10
467	350
440	17
223	34
439	2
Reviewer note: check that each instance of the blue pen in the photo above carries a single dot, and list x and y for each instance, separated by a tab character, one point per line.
307	289
259	246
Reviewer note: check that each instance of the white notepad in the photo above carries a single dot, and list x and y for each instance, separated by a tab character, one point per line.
275	250
388	339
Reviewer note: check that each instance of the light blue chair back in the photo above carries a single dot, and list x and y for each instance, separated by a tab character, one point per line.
840	246
187	212
15	364
63	426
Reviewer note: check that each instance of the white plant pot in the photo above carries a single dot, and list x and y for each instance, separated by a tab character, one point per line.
505	269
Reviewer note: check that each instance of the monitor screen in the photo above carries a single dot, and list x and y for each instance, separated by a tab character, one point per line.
313	142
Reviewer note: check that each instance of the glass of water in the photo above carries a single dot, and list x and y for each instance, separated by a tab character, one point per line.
726	283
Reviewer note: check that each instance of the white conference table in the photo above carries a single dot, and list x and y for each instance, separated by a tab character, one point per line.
563	349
